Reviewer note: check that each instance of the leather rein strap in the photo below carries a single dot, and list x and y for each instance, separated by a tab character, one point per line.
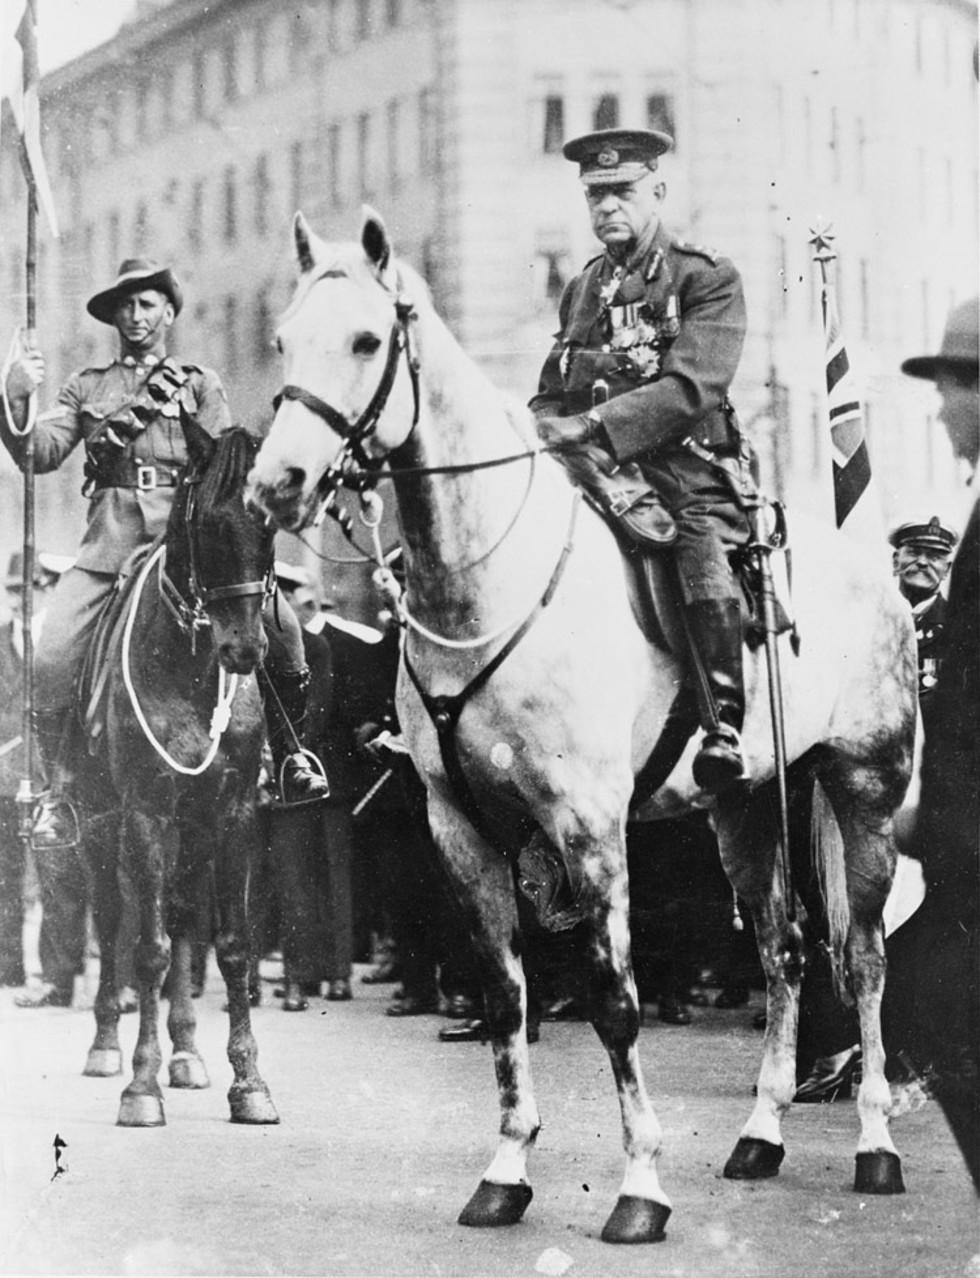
445	711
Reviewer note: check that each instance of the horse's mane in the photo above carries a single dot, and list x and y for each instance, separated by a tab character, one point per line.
224	475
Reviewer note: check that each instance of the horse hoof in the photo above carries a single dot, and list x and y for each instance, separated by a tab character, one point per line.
252	1107
140	1110
636	1220
103	1062
494	1204
753	1159
187	1070
878	1172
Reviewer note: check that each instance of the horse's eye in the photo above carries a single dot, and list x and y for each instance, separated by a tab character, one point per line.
366	344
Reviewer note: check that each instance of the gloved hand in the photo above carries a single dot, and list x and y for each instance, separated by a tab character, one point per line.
572	432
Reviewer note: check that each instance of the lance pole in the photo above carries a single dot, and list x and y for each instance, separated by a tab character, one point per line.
25	791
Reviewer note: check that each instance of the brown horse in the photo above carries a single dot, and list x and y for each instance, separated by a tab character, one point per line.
170	791
531	699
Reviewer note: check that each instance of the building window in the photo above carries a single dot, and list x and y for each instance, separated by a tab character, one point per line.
334	158
229	64
427	131
166	99
262	347
141	227
261	195
231	332
112	239
554	274
230	212
554	124
605	113
260	36
364	153
393	143
142	110
199	69
362	19
393	12
300	38
660	114
195	221
296	175
834	144
333	24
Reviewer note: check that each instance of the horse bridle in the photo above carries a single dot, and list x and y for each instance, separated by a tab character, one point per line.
193	615
354	433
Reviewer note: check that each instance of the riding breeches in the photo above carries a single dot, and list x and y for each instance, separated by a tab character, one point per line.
70	618
710	522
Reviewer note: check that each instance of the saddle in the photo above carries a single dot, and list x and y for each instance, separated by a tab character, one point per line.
103	648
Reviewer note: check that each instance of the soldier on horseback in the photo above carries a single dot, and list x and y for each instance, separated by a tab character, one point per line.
637	384
127	415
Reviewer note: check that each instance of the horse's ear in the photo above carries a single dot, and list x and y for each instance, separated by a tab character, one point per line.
200	445
374	238
303	239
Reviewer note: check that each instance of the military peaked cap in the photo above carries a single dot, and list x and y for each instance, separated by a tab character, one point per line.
616	155
934	534
136	274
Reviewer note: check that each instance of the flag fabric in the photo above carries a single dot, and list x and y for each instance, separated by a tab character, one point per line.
851	463
20	83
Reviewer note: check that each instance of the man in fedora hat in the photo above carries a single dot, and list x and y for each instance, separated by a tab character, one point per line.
650	336
931	1008
126	414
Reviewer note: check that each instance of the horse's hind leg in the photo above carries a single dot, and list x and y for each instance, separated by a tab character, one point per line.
484	887
747	835
101	850
150	841
868	867
248	1095
642	1208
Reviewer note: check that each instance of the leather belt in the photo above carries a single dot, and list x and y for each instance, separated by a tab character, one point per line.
144	477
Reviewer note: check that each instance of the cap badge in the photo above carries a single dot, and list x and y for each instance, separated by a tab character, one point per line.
607	157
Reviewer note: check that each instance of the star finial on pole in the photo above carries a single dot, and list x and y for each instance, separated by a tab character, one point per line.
822	239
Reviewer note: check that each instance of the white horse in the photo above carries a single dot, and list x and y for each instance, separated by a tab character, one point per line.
530	699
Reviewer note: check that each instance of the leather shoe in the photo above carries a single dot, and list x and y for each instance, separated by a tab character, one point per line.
339	991
47	995
673	1012
478	1031
733	996
830	1078
414	1005
294	1000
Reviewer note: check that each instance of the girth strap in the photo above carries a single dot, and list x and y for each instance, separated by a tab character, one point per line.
445	710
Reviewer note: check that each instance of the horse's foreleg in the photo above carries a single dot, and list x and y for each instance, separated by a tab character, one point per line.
150	844
484	886
187	1068
248	1096
746	840
104	1058
642	1208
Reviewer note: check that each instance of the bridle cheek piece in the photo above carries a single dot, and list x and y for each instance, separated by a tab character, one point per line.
354	433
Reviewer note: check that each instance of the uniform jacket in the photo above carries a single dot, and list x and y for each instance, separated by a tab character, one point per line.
930	622
140	405
667	342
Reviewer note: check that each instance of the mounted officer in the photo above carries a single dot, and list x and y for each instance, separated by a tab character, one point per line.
637	382
127	415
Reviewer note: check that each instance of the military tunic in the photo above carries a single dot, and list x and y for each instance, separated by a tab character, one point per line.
930	622
655	348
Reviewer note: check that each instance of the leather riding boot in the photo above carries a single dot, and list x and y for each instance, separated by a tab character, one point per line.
299	775
55	823
715	632
624	493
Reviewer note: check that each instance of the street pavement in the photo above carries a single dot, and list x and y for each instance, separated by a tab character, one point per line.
385	1132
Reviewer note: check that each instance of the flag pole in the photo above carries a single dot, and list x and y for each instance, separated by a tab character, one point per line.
25	791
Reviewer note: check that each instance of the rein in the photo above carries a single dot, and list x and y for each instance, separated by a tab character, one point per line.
227	687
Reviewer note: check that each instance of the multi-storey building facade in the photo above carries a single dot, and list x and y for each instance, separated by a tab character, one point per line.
196	132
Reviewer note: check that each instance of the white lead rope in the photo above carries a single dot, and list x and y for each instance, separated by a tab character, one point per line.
14	353
227	688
